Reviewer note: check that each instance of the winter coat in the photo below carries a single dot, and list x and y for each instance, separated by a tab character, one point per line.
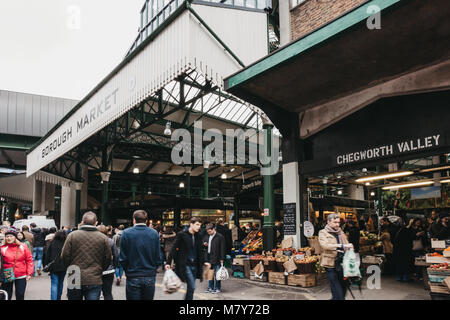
24	263
39	237
226	233
115	257
217	248
168	239
180	251
422	238
53	253
90	250
403	254
387	244
328	244
30	238
116	239
439	231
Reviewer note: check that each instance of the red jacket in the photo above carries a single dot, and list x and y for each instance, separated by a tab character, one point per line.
24	264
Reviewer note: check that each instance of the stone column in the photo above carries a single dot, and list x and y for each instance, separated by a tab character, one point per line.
68	199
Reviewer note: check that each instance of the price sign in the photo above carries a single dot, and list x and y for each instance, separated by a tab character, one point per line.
308	229
289	219
266	212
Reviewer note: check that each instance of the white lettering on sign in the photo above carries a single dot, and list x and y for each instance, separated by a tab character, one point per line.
388	150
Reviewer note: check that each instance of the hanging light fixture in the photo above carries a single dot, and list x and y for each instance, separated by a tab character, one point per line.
385	176
181	184
168	131
372	194
232	169
408	185
339	192
136	170
224	175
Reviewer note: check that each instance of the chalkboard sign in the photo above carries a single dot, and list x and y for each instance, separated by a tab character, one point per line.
289	219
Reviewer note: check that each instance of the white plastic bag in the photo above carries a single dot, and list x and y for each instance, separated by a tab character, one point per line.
171	282
350	264
222	274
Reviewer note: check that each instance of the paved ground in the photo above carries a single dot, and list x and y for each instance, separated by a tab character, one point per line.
235	289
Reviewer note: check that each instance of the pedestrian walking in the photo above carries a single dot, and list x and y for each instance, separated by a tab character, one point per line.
168	236
226	233
38	248
3	230
55	265
385	238
108	275
187	253
140	256
403	253
22	239
333	242
16	257
29	236
116	239
214	243
90	251
50	235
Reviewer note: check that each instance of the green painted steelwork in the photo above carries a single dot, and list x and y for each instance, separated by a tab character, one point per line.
269	197
17	142
315	38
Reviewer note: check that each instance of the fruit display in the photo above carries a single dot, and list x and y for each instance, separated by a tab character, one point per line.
435	254
306	260
282	259
441	266
253	242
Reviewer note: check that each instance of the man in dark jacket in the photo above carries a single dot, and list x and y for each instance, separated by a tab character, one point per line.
214	243
38	248
89	250
140	256
187	253
226	233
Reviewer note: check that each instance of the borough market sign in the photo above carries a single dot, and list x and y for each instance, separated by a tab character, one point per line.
398	148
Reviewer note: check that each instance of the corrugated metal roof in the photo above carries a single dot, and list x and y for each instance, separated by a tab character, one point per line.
31	114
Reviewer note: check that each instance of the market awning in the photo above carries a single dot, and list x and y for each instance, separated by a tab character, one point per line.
345	57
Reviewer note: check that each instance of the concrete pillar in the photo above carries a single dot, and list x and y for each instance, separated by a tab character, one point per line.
47	197
291	194
285	22
355	192
37	196
68	199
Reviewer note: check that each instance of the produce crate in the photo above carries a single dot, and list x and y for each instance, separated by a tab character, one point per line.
436	278
439	296
238	261
306	268
254	278
270	266
446	254
247	268
439	272
280	267
431	259
302	280
277	277
253	263
438	288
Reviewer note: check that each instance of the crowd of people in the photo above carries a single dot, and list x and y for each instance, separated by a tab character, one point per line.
98	254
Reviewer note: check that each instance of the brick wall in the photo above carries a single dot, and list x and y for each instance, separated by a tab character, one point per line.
312	14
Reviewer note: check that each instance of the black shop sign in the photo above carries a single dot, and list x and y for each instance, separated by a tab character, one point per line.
290	220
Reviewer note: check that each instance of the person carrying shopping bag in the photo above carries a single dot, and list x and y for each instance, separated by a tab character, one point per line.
215	249
334	243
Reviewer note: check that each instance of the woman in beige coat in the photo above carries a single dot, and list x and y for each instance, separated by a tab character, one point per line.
333	242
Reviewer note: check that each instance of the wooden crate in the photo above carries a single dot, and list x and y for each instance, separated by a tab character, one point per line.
277	277
302	280
247	268
432	259
238	261
438	288
254	278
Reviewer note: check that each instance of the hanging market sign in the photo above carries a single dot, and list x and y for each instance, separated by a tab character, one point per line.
393	149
